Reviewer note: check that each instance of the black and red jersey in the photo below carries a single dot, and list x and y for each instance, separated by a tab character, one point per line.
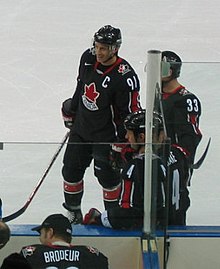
104	96
178	195
130	212
64	257
182	111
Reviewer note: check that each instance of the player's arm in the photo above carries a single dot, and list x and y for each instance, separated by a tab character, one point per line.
95	259
158	189
70	106
86	61
126	99
187	116
128	215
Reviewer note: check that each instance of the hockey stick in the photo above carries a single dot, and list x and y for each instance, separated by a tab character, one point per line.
202	158
23	209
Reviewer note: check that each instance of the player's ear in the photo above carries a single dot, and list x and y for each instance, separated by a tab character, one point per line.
142	137
50	232
171	72
114	49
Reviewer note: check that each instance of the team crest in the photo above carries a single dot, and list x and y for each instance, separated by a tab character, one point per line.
123	69
28	251
90	96
184	91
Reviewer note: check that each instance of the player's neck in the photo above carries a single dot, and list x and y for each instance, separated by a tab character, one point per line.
59	242
170	86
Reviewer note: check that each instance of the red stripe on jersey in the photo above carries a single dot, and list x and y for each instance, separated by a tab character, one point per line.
183	150
126	194
193	119
135	101
73	188
118	61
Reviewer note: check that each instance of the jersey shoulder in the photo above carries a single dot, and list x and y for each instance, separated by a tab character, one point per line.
186	94
88	57
125	68
93	257
30	250
133	165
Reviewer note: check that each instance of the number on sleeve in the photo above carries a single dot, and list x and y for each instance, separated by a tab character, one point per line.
130	171
132	83
192	105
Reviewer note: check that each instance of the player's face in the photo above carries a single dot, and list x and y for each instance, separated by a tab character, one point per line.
130	137
134	141
104	54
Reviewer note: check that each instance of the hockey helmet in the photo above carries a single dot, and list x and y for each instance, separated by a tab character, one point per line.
108	35
136	121
174	60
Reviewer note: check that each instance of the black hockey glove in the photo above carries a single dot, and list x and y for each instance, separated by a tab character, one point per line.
120	154
67	113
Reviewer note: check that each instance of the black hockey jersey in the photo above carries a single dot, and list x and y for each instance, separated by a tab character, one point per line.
64	257
131	201
103	97
179	200
182	110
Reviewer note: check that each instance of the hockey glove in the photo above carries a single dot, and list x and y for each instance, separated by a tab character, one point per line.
120	154
67	113
93	217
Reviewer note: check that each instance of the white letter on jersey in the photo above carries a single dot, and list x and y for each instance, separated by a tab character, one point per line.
104	83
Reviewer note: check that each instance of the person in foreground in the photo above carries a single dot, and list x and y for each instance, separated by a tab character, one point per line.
56	250
107	91
130	210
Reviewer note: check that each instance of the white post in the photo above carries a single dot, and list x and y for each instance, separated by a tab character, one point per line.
153	81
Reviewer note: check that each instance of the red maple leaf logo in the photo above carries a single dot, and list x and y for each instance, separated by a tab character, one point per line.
91	93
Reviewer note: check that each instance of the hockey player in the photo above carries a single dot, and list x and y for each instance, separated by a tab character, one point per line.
129	212
177	192
56	250
107	90
179	200
181	109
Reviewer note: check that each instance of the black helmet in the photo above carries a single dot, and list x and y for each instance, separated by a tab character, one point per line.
174	60
108	35
136	121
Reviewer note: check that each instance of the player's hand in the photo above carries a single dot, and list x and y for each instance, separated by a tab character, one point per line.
67	114
120	154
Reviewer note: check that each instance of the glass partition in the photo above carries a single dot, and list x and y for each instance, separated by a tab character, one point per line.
203	80
23	164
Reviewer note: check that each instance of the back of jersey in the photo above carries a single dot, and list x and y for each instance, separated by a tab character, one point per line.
64	257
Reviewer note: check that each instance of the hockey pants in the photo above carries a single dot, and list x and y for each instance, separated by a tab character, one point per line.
77	158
